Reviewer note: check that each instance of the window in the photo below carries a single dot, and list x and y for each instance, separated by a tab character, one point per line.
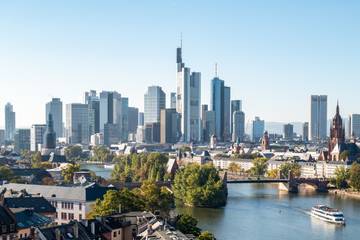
3	228
80	206
71	216
71	205
63	216
80	216
114	234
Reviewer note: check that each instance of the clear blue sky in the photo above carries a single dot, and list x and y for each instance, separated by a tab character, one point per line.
273	54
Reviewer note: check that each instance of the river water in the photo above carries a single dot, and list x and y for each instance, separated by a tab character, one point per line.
260	211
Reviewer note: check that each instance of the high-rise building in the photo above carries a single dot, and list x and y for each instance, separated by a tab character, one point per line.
93	102
169	125
257	129
235	106
37	136
152	132
77	123
133	119
238	126
55	108
355	126
111	134
2	137
141	119
220	104
50	135
9	122
173	100
318	121
188	100
154	101
288	132
22	140
305	135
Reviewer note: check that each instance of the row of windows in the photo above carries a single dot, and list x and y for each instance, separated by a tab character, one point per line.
6	229
65	205
69	216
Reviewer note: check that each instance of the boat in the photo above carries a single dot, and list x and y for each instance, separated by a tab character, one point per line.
328	214
109	166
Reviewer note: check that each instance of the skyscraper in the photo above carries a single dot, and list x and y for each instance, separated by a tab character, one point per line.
238	126
133	119
355	125
220	104
55	108
154	101
169	126
173	100
77	123
141	119
288	132
235	106
257	129
9	122
37	136
93	102
50	135
22	140
305	135
195	106
318	121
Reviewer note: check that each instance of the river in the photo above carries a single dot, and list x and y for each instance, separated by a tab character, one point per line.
260	211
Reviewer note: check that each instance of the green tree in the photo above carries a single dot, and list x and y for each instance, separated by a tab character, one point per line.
355	176
259	167
68	172
273	173
234	167
285	168
206	236
344	155
202	186
187	225
101	154
342	175
36	160
6	173
73	153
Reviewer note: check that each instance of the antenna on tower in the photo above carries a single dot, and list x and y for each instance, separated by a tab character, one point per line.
180	39
216	70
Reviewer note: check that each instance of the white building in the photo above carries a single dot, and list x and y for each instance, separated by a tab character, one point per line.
318	120
97	139
37	136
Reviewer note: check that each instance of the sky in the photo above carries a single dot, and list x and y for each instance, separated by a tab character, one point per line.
273	54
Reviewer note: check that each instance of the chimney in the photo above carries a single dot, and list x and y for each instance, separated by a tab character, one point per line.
76	230
57	234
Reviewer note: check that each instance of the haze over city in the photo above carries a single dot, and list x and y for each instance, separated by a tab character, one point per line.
273	55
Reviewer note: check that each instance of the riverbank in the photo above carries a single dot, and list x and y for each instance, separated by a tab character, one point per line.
345	193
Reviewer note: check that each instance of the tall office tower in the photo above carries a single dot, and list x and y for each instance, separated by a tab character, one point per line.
107	107
235	106
257	129
169	125
195	106
22	140
2	137
204	109
173	100
112	134
93	102
305	135
152	132
154	101
220	104
77	123
238	126
9	122
318	121
55	108
37	136
121	117
141	119
133	119
288	132
355	126
50	136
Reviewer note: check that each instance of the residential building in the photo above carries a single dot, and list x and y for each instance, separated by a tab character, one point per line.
169	125
154	101
238	128
318	120
55	108
258	127
77	123
9	122
37	136
8	229
22	140
288	132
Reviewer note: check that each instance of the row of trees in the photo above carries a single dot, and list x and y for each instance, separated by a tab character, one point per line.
201	186
345	178
140	167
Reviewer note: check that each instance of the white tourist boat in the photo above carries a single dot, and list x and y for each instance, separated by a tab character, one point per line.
328	214
109	166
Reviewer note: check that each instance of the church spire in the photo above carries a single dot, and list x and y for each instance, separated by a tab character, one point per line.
337	108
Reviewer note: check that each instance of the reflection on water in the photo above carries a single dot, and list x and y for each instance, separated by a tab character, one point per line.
260	211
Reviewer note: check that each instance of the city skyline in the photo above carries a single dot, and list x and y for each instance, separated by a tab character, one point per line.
298	59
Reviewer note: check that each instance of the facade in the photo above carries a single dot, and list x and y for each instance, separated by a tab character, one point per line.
50	135
169	126
195	106
77	123
318	121
355	126
208	123
111	134
55	108
93	102
22	140
141	119
258	128
37	136
288	132
9	122
305	134
235	106
173	100
152	132
133	119
154	101
97	139
238	127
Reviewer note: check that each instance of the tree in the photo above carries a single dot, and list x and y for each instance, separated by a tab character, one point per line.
187	225
201	186
206	236
259	167
73	153
273	173
6	173
355	176
68	172
101	154
285	168
36	160
344	155
341	177
234	167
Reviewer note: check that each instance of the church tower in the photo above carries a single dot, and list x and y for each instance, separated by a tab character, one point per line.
337	136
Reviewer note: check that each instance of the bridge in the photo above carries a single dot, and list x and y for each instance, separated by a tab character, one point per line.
290	184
